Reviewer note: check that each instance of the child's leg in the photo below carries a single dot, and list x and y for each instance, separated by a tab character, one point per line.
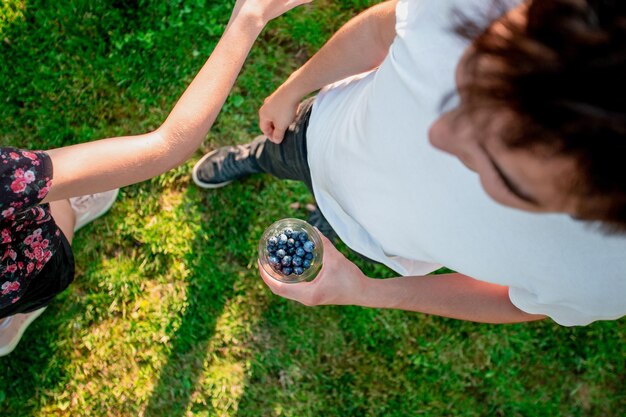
59	271
13	327
287	160
64	217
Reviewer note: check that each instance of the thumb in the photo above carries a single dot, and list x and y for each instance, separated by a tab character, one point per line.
267	127
295	291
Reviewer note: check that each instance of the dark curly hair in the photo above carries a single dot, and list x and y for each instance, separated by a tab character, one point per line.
563	76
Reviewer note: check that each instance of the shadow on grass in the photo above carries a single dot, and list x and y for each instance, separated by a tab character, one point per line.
213	265
36	363
312	365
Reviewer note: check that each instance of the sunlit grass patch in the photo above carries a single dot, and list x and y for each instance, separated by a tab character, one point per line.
10	12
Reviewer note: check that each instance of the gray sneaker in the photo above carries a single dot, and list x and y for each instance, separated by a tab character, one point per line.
224	165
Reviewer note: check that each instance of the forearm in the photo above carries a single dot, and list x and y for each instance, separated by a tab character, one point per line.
359	46
115	162
197	109
450	295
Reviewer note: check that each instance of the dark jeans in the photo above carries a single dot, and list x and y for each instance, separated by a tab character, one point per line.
287	160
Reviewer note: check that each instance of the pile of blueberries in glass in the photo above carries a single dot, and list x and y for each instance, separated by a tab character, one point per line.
290	252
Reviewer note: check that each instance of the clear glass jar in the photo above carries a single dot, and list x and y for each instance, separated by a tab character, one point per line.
296	225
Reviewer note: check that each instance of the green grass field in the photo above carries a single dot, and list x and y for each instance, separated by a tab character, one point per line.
168	316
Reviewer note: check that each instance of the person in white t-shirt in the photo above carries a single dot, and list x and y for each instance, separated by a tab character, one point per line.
499	157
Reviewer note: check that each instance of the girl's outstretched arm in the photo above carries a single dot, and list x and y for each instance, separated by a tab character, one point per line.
115	162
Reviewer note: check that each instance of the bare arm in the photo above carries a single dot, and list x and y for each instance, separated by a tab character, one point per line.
110	163
359	46
450	295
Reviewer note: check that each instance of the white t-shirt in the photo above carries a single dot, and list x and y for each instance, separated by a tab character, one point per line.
394	198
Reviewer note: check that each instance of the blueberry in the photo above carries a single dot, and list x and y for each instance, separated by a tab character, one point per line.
281	253
272	241
273	260
288	231
300	252
291	242
306	264
282	238
287	270
298	244
308	246
286	261
297	261
303	237
298	271
277	267
308	256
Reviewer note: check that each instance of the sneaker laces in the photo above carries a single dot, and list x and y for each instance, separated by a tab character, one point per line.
237	162
82	203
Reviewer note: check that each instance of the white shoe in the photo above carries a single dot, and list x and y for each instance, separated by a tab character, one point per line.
88	208
12	328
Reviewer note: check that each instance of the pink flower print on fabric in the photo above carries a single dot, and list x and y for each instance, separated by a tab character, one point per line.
44	190
41	213
39	249
30	155
35	236
22	179
10	286
8	213
9	254
26	180
6	235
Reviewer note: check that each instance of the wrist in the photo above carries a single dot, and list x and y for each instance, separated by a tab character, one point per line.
249	20
381	293
363	292
293	89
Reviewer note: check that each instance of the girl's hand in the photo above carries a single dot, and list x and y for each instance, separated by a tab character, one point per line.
262	11
339	282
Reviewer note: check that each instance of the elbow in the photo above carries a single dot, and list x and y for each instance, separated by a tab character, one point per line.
173	146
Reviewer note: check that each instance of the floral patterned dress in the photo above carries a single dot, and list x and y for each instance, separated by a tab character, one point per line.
28	234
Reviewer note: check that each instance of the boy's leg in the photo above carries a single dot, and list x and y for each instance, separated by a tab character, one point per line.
287	160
